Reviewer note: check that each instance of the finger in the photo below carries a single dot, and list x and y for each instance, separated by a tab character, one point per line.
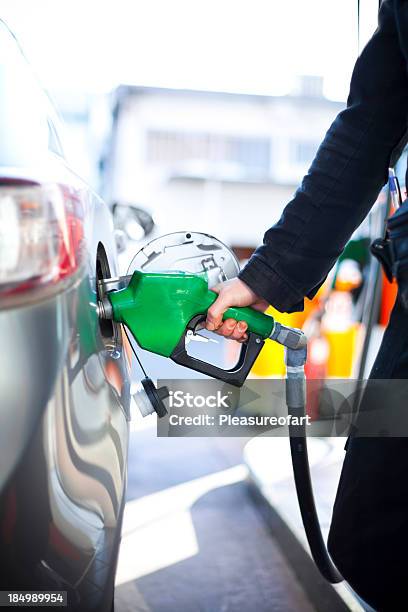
215	312
243	339
227	328
239	331
217	288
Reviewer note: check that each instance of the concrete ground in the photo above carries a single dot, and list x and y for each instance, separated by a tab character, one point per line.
193	536
276	486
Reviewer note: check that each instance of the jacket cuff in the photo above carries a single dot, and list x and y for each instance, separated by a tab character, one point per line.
266	283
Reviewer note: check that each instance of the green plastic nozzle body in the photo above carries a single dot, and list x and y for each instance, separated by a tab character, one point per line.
157	307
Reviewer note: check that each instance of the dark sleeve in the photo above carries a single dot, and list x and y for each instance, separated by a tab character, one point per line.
344	179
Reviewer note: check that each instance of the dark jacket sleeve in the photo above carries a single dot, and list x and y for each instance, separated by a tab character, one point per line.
344	179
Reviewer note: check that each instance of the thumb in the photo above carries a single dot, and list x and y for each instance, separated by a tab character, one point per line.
215	312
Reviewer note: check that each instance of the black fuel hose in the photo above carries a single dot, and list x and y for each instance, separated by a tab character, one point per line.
296	403
307	506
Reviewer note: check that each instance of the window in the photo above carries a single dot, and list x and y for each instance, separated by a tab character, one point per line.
250	154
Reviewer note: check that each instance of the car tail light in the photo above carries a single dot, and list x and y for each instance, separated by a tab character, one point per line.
41	237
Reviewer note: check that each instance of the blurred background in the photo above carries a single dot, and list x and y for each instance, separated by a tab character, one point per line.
200	112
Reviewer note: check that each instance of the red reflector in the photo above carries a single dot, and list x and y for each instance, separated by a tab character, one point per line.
41	236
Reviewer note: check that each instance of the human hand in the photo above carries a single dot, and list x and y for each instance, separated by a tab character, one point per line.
232	293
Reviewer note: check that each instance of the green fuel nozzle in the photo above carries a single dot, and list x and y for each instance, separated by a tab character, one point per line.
159	308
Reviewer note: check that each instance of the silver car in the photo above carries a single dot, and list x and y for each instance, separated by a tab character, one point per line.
64	376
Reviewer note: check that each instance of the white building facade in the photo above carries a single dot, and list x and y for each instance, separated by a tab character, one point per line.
221	163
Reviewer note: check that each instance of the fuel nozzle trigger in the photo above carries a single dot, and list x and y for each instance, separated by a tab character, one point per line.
235	376
194	336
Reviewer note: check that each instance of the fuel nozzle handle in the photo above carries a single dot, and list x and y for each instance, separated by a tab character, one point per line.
258	322
265	326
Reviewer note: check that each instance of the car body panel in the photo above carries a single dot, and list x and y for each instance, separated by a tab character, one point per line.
64	393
